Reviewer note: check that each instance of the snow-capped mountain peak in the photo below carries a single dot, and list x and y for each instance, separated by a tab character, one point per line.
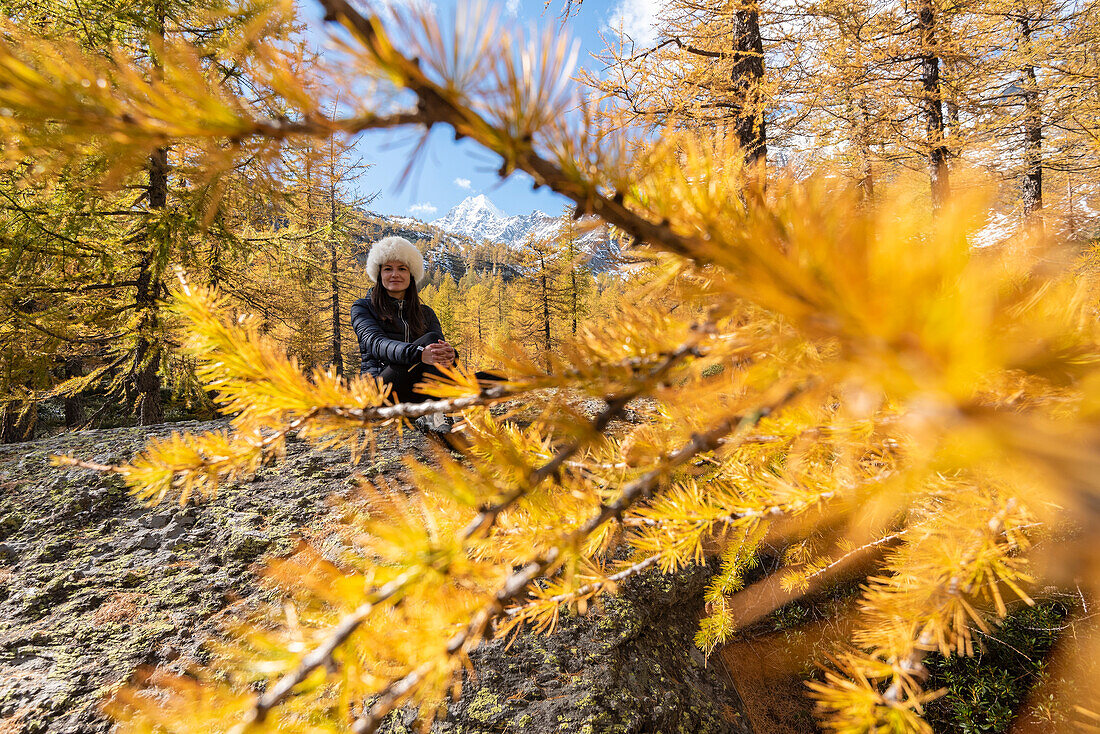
478	219
480	205
475	217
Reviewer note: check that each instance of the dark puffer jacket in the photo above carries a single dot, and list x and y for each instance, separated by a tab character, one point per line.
382	344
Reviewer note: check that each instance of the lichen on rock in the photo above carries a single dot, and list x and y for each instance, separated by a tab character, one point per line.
628	665
97	585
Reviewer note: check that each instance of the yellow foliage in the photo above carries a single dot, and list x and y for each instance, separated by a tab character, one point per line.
829	377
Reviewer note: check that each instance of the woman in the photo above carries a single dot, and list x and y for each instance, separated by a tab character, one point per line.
400	339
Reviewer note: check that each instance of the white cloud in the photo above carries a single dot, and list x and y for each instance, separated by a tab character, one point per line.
426	6
636	18
463	183
512	6
424	207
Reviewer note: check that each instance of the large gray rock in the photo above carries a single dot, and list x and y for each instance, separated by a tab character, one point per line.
95	585
626	668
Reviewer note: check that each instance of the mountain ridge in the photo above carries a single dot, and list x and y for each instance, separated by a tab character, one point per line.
476	221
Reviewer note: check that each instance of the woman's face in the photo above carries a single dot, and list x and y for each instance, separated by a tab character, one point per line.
395	278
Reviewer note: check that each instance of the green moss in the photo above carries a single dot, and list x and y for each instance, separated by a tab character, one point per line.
985	692
382	465
484	707
713	369
548	656
10	523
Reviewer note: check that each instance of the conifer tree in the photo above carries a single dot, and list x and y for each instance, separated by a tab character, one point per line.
577	277
112	249
323	208
542	295
705	72
445	303
475	318
1034	108
1000	102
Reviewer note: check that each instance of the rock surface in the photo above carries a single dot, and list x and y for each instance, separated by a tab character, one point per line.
628	668
94	585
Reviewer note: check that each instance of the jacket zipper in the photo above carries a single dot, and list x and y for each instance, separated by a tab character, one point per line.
401	314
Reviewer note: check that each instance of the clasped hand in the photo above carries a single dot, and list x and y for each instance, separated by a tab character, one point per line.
440	353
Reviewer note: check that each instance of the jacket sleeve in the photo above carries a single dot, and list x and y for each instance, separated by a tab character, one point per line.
373	340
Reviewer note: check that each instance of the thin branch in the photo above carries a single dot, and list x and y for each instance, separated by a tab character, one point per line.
388	699
703	52
516	584
321	654
614	408
887	540
381	413
436	104
82	288
393	693
913	663
590	588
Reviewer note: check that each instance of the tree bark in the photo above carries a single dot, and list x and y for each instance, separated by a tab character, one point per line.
545	313
147	350
1071	219
866	169
859	118
215	264
746	77
932	104
574	287
574	295
73	404
311	349
1033	128
15	428
337	349
147	298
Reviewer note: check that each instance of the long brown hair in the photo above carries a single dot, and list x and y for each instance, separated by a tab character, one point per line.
385	306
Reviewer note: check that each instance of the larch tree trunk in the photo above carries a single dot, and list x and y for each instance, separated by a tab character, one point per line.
1032	193
574	296
866	168
746	78
147	301
546	316
73	405
214	262
859	120
310	350
147	297
931	102
334	281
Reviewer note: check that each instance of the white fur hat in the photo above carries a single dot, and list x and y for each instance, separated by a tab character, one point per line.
392	248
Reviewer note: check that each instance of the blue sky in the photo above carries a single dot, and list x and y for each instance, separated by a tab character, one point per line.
447	172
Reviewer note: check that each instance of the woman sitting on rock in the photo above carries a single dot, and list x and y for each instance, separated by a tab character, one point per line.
400	339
